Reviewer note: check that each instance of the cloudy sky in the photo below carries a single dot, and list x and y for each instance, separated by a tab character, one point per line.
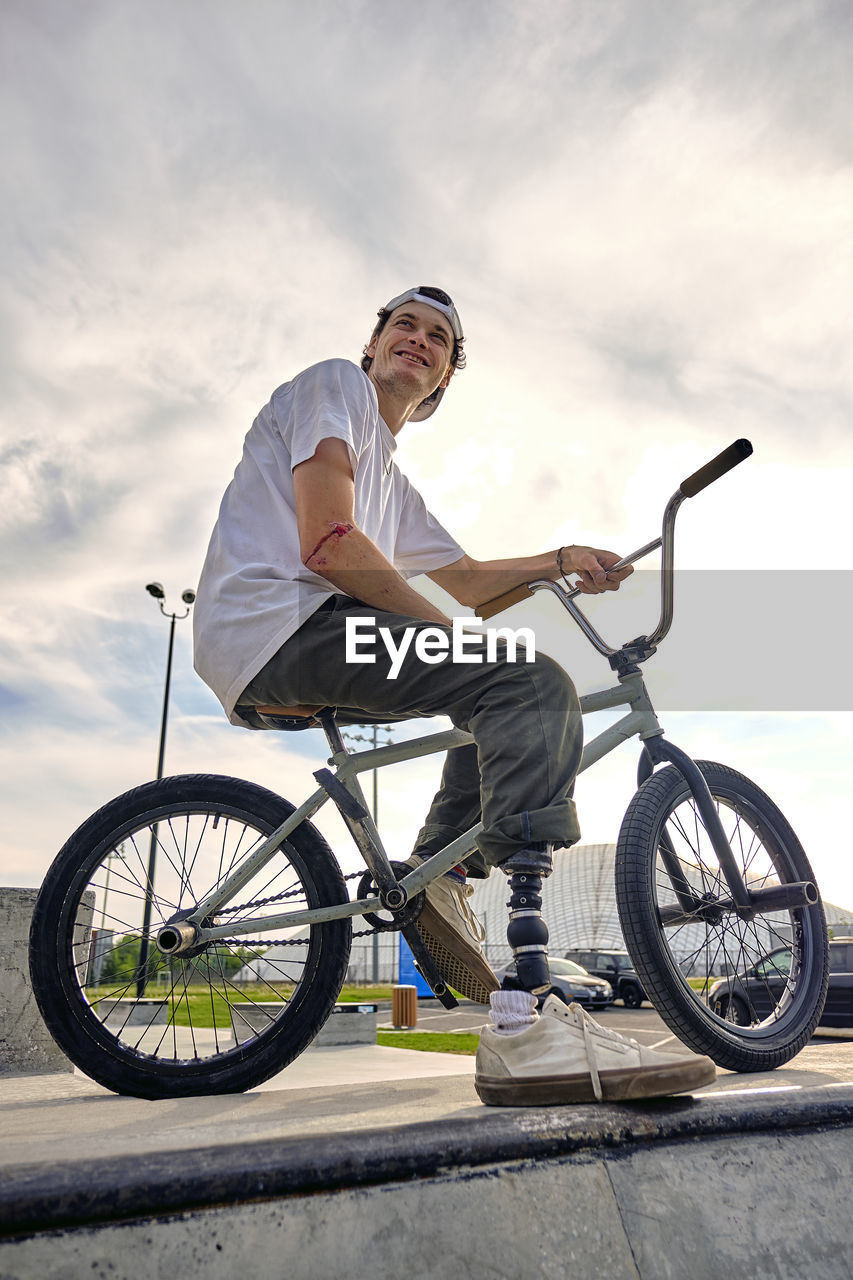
643	210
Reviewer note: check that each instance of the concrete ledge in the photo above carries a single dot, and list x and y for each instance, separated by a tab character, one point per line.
348	1023
26	1046
84	1193
130	1012
760	1205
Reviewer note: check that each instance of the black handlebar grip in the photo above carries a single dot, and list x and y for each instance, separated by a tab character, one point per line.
717	467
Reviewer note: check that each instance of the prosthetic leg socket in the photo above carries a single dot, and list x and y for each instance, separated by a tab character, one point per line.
527	932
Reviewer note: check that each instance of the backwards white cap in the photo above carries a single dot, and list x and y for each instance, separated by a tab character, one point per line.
443	303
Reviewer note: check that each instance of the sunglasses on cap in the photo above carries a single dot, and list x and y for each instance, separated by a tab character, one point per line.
431	297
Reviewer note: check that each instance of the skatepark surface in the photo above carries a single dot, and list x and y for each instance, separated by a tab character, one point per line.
368	1160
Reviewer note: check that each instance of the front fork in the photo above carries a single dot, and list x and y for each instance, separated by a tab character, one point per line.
744	902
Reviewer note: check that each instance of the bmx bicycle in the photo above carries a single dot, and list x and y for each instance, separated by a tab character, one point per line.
193	935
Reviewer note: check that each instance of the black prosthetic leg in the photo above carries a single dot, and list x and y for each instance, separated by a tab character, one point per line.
527	932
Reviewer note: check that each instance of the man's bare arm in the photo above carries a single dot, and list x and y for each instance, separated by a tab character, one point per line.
332	545
473	582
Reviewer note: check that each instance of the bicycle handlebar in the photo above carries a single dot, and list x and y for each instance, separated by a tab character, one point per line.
736	453
725	461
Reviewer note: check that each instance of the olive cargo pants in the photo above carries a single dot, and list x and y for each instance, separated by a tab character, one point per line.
524	717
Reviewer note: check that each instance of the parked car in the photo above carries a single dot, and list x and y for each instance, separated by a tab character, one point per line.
574	982
763	982
615	967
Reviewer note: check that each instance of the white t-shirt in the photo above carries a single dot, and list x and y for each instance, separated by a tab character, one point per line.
254	591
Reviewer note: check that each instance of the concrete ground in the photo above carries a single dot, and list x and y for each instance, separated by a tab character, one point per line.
52	1118
46	1120
87	1176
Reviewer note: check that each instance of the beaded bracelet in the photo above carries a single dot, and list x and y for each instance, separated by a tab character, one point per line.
562	570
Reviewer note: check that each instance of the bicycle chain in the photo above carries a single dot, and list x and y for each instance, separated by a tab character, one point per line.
284	942
276	897
280	942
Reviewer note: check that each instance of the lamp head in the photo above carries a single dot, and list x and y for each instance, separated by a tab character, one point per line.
155	589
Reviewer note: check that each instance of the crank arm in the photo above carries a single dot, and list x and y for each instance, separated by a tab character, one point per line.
426	964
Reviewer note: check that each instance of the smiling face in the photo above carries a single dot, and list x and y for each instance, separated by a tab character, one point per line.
412	353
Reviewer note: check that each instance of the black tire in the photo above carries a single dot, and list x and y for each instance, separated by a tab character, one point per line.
631	997
86	949
777	1025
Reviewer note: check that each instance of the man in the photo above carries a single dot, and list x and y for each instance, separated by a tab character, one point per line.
320	527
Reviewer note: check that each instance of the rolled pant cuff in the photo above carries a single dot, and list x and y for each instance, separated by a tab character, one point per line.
557	825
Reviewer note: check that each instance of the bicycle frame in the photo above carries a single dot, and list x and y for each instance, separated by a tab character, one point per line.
189	930
639	721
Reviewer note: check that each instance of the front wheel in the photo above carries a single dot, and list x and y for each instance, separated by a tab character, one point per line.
218	1020
748	992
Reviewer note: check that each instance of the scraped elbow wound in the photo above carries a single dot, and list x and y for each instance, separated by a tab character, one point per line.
317	560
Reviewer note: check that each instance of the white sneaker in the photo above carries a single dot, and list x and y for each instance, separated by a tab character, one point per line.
565	1056
453	936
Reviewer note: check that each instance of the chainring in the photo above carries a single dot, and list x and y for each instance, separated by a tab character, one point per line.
395	919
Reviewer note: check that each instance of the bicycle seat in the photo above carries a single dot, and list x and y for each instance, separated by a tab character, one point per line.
300	716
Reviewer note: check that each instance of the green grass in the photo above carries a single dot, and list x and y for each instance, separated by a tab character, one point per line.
359	995
195	1007
430	1041
198	1007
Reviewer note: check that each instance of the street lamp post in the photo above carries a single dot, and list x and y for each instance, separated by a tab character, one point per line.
155	589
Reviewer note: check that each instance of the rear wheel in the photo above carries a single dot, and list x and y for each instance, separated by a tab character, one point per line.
220	1021
704	966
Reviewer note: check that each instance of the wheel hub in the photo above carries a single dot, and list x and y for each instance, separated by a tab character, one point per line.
179	937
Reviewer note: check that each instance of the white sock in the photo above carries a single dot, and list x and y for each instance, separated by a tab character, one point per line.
512	1011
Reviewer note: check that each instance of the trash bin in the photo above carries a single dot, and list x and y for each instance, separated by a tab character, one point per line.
404	1006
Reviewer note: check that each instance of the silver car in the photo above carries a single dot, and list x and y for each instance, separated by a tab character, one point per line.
574	982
